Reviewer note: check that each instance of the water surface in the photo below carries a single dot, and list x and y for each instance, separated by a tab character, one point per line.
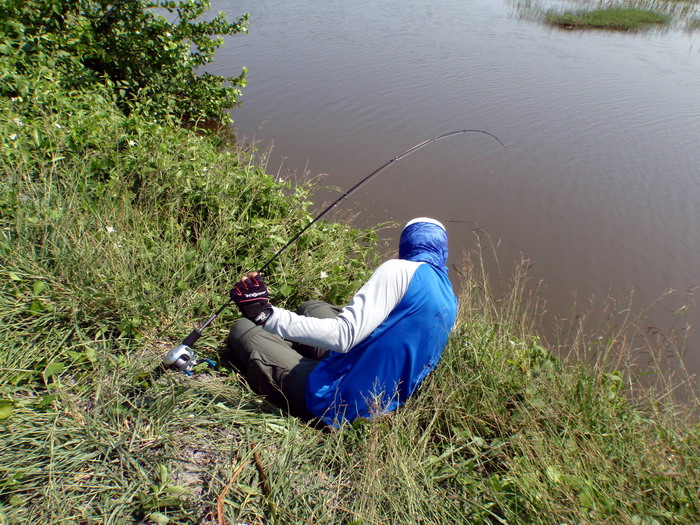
598	187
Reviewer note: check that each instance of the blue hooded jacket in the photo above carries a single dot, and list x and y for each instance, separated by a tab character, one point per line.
423	241
382	370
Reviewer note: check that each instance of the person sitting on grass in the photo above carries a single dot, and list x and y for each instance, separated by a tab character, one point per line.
330	365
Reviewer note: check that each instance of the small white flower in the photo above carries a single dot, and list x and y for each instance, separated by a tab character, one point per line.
132	143
57	125
13	136
324	275
19	122
110	229
205	170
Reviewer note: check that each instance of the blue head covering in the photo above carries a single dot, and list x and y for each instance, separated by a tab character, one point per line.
424	240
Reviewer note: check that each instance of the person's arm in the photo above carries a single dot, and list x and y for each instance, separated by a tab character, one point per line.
368	308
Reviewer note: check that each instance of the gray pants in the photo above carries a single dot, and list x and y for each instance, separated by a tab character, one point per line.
276	368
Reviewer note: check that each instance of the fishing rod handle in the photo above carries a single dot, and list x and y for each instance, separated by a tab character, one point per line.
191	339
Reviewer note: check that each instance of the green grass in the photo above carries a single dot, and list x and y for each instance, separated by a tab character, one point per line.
612	18
501	432
119	234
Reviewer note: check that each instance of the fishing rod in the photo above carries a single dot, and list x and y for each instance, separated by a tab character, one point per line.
182	358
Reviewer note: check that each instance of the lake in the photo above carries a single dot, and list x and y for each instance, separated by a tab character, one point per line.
598	188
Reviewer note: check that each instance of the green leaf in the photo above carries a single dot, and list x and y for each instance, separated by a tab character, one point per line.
36	306
177	489
14	276
587	498
16	501
6	408
158	518
91	354
575	482
46	401
553	474
538	402
285	290
53	369
479	442
39	286
164	476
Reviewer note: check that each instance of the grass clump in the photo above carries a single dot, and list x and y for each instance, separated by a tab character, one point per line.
611	18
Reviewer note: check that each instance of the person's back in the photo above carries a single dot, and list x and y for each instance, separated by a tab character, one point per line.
382	371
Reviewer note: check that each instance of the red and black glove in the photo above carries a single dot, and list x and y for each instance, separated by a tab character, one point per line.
253	299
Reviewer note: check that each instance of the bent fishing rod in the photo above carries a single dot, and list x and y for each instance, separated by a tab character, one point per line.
182	358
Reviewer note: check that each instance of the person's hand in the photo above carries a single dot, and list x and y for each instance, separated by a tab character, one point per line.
252	298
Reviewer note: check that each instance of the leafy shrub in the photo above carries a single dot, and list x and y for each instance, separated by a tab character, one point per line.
149	62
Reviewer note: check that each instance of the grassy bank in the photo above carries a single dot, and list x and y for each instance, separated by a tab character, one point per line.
634	16
119	231
612	18
116	234
502	432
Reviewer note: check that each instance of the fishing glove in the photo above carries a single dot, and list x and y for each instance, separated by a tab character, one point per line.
253	299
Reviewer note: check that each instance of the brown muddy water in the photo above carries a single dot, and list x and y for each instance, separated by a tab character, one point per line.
598	187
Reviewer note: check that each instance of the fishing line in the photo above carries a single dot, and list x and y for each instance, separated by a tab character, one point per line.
182	358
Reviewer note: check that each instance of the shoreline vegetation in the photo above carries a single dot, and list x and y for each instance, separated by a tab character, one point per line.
612	18
628	16
120	227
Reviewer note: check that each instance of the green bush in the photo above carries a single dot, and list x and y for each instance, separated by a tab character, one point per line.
149	62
